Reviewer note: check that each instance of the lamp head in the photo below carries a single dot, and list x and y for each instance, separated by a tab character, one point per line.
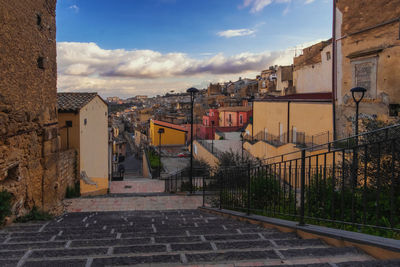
161	130
358	93
212	123
192	90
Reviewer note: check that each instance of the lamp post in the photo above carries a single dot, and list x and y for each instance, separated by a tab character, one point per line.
212	137
160	131
358	94
192	91
251	100
242	139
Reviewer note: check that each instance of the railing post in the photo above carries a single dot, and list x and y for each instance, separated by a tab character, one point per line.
303	178
204	190
248	188
220	177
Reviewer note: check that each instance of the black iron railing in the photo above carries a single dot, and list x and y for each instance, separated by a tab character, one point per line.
298	138
353	183
180	181
210	147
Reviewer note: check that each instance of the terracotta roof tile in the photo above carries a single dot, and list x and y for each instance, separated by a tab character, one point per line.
73	101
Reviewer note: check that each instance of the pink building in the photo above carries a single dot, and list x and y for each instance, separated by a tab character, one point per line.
212	115
226	119
234	116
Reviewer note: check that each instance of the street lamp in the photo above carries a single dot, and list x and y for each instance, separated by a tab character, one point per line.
251	100
160	131
242	139
358	94
192	91
212	137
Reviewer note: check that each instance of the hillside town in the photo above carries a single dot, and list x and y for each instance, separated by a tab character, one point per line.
307	154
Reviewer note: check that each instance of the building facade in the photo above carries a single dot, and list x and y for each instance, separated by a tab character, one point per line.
173	134
313	69
29	142
84	121
234	116
367	54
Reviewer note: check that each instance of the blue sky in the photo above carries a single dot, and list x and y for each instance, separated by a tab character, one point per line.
129	47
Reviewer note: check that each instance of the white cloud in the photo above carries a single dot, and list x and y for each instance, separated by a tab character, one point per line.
258	5
236	33
75	8
87	67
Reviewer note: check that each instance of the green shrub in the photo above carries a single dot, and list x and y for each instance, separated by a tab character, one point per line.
154	159
73	191
35	215
5	205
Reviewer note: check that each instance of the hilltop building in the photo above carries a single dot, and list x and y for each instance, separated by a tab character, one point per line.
313	69
367	54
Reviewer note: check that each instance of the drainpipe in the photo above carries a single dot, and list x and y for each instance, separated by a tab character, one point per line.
334	70
288	121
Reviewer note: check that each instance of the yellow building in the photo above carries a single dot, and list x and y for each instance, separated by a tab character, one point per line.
285	124
173	134
83	119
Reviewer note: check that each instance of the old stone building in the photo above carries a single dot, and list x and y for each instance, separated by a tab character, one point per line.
313	69
367	54
29	142
214	89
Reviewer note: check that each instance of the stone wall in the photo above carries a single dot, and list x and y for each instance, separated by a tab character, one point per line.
67	177
29	141
368	55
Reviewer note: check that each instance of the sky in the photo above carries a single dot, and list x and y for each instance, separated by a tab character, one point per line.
149	47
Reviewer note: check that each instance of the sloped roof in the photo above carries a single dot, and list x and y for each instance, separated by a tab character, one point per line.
170	125
73	101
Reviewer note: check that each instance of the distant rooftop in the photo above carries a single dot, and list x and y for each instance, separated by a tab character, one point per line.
237	108
69	102
170	125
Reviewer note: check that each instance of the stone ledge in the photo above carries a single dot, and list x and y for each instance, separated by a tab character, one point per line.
378	247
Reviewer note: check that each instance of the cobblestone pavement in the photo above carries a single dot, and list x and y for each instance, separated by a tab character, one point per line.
131	203
164	238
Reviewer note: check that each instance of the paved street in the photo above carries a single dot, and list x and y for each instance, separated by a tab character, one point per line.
133	165
163	238
130	202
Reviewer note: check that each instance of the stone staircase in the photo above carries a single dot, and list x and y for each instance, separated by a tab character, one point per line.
137	185
165	238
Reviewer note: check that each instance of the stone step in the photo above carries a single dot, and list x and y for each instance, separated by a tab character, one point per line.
162	238
122	255
143	185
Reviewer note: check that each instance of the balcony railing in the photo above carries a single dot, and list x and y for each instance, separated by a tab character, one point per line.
298	138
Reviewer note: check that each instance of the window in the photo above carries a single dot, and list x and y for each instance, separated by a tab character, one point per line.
40	63
328	56
230	118
85	121
364	74
241	119
394	110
